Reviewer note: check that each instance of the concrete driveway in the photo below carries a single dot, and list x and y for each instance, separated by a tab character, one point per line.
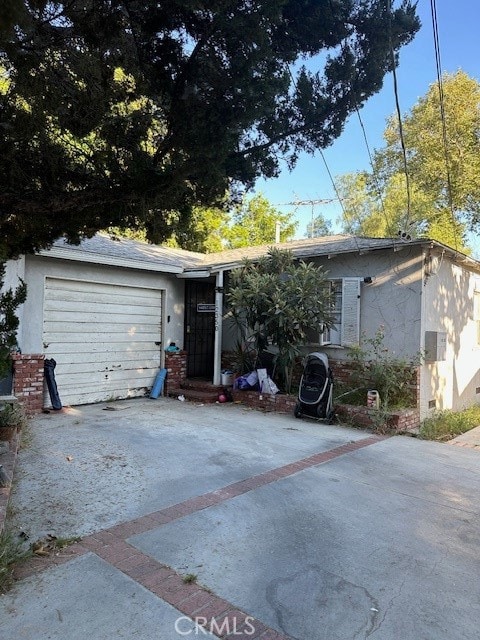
217	521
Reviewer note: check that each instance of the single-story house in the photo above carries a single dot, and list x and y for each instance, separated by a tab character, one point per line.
106	310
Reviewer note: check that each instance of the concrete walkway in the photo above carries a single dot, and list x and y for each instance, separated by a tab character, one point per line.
470	439
293	529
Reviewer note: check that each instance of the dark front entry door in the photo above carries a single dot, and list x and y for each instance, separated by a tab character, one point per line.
199	328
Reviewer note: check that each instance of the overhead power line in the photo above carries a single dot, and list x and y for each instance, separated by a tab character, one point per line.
436	41
399	117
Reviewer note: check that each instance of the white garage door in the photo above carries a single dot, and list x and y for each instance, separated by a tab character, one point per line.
102	337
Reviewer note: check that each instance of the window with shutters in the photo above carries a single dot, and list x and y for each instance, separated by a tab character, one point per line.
345	331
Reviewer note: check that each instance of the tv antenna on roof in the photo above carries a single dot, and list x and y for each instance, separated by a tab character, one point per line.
309	203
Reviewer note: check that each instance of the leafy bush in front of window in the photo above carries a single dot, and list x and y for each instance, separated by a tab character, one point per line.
375	367
276	302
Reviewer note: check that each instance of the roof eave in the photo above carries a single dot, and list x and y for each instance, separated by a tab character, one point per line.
112	261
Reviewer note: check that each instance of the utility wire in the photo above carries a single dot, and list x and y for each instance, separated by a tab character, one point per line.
399	115
436	41
326	166
338	194
374	174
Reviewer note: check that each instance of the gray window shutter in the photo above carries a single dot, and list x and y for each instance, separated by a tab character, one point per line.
350	312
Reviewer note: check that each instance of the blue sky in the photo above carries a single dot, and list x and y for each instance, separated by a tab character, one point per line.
458	25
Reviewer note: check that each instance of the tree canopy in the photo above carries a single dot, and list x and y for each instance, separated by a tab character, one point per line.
254	222
319	226
443	167
250	222
115	112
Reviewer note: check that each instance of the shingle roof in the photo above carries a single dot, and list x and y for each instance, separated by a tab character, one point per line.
106	249
103	245
311	247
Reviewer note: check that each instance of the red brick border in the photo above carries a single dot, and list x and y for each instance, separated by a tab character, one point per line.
196	602
7	460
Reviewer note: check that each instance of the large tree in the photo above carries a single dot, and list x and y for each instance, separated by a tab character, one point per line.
254	222
319	226
117	111
443	165
250	222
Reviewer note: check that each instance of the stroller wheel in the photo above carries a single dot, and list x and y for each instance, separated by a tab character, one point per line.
331	417
320	411
296	412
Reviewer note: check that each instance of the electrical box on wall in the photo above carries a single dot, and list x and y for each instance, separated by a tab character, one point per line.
435	346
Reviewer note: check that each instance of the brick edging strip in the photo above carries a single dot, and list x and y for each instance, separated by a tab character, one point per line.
192	600
8	461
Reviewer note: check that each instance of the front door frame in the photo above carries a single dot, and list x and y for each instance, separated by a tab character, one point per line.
200	328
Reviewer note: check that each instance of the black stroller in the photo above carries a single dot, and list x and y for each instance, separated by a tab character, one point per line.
315	395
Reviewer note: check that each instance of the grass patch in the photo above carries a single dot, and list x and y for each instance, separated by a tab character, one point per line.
190	578
11	552
445	425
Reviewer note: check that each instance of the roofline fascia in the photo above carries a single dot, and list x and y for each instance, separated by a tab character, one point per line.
194	274
112	261
395	246
455	255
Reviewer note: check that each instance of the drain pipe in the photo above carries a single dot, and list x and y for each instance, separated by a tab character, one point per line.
217	357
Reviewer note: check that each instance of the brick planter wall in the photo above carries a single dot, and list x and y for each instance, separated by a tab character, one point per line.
281	403
176	366
28	381
405	420
342	373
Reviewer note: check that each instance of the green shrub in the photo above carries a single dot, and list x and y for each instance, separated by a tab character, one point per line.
10	552
375	367
446	424
9	301
13	415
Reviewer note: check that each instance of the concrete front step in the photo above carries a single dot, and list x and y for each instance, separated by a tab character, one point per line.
195	395
200	385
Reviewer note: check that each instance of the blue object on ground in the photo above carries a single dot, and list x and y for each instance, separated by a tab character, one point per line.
158	384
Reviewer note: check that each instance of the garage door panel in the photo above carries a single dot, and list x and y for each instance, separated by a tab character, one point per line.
116	359
102	318
92	395
129	330
107	379
104	338
96	368
102	288
118	345
103	307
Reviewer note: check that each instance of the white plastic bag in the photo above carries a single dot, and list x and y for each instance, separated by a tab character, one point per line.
266	384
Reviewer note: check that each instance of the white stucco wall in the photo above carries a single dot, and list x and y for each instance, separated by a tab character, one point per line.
448	307
393	299
37	268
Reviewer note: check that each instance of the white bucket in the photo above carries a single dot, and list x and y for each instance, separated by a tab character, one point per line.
227	378
373	399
